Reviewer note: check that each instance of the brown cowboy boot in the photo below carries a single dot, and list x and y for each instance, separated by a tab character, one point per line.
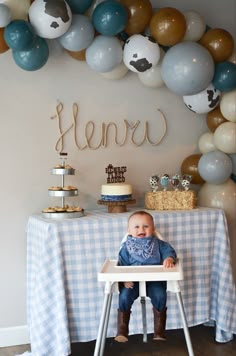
122	326
159	324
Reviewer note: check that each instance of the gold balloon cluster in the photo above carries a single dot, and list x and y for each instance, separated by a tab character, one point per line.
190	164
167	26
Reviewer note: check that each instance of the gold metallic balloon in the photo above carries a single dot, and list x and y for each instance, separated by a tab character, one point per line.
79	55
168	26
214	119
140	13
3	46
219	43
190	166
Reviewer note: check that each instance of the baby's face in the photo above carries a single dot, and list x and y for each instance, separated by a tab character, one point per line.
141	226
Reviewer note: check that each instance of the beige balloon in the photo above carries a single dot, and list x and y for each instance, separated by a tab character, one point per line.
225	137
206	142
232	58
228	105
221	196
196	26
117	73
152	78
19	8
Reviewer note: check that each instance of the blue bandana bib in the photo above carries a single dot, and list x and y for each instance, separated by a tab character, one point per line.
144	250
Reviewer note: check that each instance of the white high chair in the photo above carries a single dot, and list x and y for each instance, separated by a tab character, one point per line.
111	274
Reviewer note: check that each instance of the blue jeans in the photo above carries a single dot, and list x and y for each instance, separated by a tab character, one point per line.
156	291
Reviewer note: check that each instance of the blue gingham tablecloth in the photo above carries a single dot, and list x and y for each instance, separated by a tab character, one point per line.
64	298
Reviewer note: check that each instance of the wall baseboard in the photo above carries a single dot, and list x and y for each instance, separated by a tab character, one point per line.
17	335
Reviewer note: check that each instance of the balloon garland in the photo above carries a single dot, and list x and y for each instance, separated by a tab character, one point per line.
115	37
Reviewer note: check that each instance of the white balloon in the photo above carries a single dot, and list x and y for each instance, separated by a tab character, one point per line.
5	15
141	53
19	8
228	105
221	196
206	142
225	137
203	102
152	78
50	22
195	26
117	73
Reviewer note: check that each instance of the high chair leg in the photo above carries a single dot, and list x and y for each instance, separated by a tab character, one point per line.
143	304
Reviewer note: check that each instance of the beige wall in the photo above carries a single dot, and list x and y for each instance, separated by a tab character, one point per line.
28	137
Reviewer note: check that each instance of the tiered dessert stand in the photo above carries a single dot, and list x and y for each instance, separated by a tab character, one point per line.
63	211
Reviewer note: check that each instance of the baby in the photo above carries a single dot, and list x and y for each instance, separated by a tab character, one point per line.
143	247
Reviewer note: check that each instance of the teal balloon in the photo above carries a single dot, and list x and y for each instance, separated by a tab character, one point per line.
225	76
33	59
110	18
19	35
79	6
123	36
233	177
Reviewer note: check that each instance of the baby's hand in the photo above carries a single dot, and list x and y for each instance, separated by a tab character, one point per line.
129	284
168	262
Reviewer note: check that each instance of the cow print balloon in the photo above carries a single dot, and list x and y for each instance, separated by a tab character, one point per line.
141	53
203	102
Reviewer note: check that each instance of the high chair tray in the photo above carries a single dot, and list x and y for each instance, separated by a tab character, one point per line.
111	272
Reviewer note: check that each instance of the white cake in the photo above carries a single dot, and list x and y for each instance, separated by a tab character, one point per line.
116	192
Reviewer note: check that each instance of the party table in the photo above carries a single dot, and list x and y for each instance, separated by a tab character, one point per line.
64	297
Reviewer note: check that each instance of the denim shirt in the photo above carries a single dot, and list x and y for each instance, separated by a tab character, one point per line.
145	251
